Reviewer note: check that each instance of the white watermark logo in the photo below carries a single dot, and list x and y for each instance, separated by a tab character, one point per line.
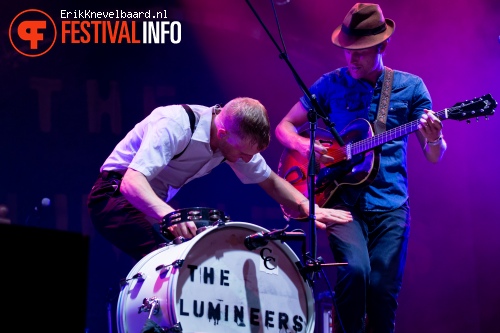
34	32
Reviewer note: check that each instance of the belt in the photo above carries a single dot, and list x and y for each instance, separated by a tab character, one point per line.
106	175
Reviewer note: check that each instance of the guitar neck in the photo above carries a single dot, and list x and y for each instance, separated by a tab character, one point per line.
394	133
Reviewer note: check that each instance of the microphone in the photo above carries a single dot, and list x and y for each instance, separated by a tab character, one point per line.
257	240
260	239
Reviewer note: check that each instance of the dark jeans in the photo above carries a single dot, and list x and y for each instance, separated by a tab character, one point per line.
121	223
374	245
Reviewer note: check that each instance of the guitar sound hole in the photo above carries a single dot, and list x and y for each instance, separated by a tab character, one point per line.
296	173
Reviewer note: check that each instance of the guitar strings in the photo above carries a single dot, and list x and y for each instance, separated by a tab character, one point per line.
350	149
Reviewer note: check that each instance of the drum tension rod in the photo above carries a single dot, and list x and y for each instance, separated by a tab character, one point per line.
139	276
177	263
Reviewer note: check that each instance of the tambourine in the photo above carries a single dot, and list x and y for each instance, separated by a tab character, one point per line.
201	216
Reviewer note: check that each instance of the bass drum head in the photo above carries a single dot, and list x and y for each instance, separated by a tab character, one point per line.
213	283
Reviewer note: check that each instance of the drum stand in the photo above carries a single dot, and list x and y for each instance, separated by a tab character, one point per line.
312	263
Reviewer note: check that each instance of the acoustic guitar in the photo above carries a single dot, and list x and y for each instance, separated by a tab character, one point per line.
357	162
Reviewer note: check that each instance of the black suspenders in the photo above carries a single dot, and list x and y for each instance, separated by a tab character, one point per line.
192	122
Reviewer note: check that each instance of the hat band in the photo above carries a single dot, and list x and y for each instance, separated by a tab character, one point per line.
364	32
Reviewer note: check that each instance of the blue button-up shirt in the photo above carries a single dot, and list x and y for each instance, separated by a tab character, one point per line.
344	99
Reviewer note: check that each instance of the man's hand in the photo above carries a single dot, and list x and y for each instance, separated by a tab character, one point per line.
326	217
184	229
430	126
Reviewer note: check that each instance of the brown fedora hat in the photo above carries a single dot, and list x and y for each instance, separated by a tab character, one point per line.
364	26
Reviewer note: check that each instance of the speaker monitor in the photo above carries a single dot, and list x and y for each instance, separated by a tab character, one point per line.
43	279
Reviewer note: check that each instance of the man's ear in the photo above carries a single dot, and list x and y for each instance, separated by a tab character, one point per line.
221	133
382	46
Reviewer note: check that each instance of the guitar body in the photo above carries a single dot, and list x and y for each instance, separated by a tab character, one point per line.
360	169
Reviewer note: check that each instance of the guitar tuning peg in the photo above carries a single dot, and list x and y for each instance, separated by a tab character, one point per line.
477	119
486	118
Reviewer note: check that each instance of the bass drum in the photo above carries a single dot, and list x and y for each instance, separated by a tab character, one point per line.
213	283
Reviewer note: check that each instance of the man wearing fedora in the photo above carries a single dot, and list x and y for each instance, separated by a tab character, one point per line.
374	243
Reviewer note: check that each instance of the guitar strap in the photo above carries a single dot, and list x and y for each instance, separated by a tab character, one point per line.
383	105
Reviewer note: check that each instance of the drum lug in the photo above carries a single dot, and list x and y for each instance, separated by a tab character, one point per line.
151	305
179	240
177	328
177	263
221	223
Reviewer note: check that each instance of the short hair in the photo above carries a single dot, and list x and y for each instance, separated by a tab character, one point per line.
247	118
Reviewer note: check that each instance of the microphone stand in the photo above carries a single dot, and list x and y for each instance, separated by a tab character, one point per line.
312	116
